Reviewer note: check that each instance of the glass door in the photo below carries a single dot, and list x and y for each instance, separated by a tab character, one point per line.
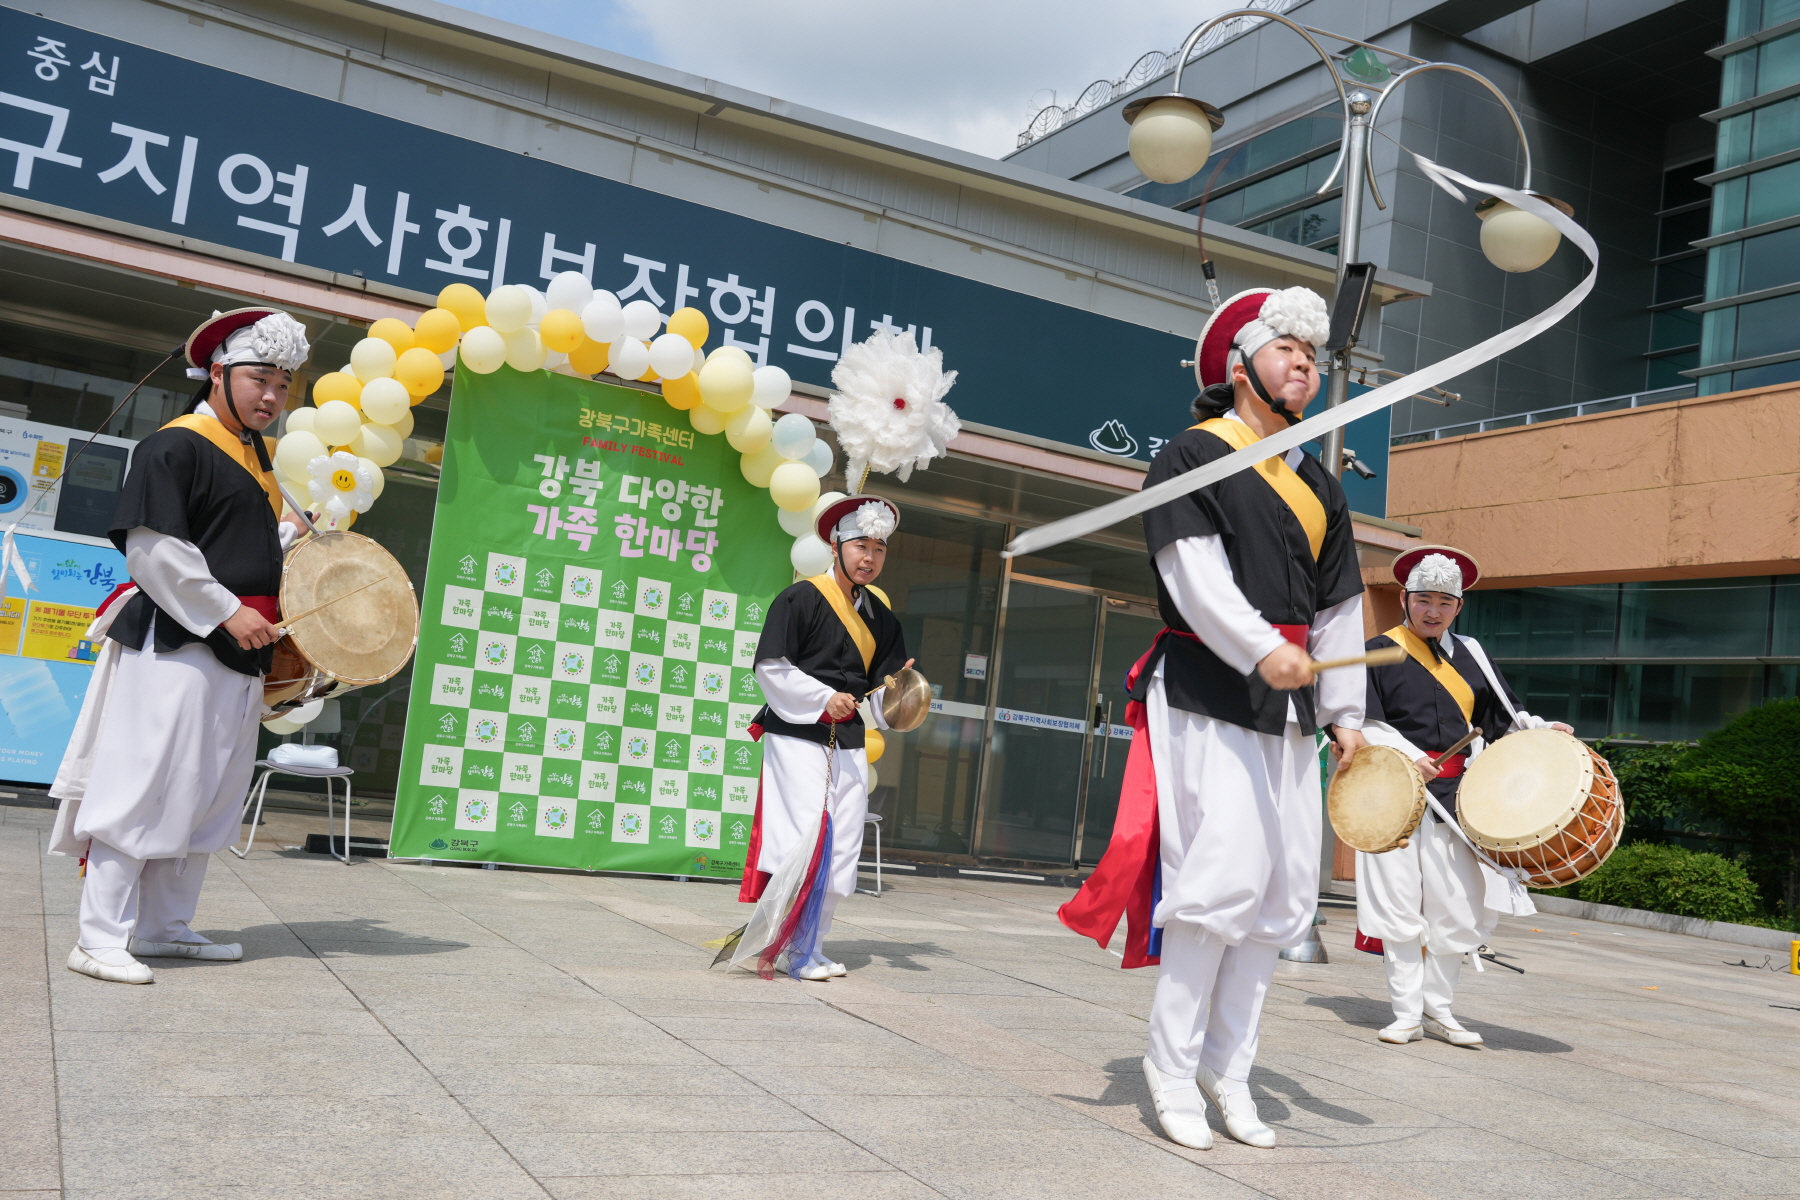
1126	631
1044	709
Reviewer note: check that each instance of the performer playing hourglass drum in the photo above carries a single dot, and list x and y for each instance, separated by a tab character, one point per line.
154	778
1429	903
1217	840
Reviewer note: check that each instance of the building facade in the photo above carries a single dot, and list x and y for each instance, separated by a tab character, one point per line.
1625	476
347	160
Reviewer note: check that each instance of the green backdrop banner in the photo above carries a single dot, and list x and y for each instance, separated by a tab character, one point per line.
582	696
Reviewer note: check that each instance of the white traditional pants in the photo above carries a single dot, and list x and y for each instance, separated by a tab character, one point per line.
1425	902
153	898
793	794
1239	814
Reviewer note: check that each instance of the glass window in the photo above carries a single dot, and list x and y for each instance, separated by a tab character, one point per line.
1770	260
1728	205
1766	376
1109	568
1718	335
1778	63
1768	326
1724	269
1304	226
1565	622
1773	193
1734	140
1577	695
1784	631
943	575
1674	327
1692	618
1738	79
1681	184
1743	18
1774	12
1676	233
1246	158
1777	128
1681	701
1666	372
1683	279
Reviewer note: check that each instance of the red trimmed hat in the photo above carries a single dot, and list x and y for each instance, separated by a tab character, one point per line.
827	523
1404	564
215	329
1221	330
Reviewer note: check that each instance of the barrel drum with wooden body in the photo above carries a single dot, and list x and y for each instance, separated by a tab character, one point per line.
1540	800
366	637
1377	799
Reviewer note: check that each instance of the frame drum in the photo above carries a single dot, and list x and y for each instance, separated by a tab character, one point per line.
1542	801
364	639
1377	799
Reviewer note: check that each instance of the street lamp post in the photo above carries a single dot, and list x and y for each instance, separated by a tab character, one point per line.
1171	140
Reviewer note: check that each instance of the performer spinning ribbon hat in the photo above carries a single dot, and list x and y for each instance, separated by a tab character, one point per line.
1430	903
155	774
827	643
1214	856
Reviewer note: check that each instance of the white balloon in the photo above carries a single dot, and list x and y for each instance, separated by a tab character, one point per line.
642	320
570	290
383	400
672	356
793	437
736	351
281	725
771	386
794	524
380	479
824	502
448	358
820	457
404	426
874	778
539	305
602	317
628	358
810	556
525	349
299	420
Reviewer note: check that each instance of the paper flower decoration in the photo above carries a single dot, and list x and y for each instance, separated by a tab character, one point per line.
341	484
889	410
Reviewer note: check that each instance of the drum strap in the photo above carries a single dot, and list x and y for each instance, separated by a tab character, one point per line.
1487	669
1443	672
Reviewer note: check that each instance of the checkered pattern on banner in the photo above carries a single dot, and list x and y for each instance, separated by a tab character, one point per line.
571	703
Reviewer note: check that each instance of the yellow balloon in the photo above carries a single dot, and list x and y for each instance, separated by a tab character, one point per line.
373	358
705	420
468	305
404	426
384	400
759	466
874	744
419	372
794	486
589	358
335	385
394	332
749	429
524	350
377	443
682	393
296	450
381	486
726	383
691	324
561	330
438	329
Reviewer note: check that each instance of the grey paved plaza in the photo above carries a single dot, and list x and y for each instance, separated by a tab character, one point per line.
400	1031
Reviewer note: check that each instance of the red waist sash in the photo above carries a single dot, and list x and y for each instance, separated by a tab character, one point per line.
1128	880
1452	766
268	606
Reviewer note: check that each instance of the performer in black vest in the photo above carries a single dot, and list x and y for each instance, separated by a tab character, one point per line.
1217	841
154	777
1430	903
827	644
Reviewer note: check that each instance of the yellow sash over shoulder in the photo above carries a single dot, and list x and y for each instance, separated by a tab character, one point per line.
853	622
240	452
1277	474
1443	672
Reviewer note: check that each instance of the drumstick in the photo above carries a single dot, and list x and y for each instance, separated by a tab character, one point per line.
289	623
1441	759
1374	658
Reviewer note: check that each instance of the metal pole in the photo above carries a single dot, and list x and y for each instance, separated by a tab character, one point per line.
1356	167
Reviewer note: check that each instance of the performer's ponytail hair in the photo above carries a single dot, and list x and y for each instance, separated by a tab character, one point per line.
1213	401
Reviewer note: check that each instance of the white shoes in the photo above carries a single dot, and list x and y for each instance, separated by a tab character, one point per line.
131	971
1402	1032
815	972
204	951
1446	1027
838	969
1179	1109
1238	1108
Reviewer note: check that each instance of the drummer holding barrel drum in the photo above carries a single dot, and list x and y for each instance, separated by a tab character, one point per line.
1426	901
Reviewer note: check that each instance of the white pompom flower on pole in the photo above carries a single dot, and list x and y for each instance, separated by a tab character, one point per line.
889	410
341	483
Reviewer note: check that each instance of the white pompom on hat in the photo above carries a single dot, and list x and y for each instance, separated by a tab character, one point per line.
861	516
1251	320
1436	569
247	335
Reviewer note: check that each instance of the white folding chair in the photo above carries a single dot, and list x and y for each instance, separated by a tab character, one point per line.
875	820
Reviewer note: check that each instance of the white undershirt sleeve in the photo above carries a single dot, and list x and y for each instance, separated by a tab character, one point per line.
174	574
795	696
287	533
1338	633
1197	574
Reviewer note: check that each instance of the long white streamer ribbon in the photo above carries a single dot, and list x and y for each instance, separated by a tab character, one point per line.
1094	520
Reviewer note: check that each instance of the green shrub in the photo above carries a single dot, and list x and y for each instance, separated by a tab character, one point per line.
1669	879
1644	775
1746	777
